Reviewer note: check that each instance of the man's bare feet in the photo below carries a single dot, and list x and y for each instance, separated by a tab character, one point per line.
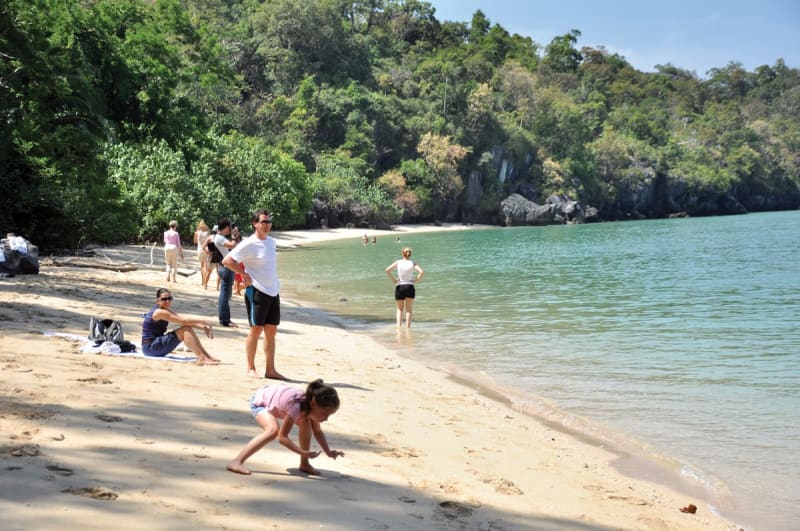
276	376
310	470
238	468
251	373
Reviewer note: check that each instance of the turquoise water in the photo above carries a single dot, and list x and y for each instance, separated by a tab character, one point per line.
675	340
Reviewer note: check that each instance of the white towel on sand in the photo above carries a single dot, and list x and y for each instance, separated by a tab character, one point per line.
110	348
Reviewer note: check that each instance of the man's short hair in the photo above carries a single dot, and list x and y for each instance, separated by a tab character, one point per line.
258	213
222	223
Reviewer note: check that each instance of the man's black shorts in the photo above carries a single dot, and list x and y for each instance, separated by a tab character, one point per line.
262	309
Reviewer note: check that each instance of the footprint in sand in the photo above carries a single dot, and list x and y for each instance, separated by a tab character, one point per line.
629	499
452	510
60	470
503	485
109	418
37	414
95	380
29	450
98	493
400	452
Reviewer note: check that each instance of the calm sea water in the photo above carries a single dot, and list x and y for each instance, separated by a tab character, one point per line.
675	341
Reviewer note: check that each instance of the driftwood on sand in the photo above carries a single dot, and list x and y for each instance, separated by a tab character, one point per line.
88	262
99	260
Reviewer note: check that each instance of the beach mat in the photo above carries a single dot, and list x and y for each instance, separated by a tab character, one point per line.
88	346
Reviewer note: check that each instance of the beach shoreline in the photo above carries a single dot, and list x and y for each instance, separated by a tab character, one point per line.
105	441
301	238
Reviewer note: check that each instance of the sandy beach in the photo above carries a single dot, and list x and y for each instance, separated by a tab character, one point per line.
100	441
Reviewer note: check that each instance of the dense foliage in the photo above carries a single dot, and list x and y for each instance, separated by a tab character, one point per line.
119	115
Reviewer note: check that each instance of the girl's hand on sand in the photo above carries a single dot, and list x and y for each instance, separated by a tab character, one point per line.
333	454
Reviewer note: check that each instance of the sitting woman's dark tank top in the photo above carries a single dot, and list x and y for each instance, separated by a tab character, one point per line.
151	329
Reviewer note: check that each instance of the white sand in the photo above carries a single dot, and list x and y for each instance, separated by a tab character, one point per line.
92	441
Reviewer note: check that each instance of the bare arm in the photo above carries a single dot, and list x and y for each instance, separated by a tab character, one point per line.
283	437
176	318
231	264
319	435
234	266
389	272
420	273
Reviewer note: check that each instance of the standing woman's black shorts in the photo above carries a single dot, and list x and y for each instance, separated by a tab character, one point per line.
404	291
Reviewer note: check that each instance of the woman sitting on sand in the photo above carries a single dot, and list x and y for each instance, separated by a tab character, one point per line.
157	342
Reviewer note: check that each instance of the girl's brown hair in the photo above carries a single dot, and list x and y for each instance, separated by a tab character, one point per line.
325	395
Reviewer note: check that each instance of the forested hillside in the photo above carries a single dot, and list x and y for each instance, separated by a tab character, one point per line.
119	115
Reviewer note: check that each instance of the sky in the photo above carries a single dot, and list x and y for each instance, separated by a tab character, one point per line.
693	35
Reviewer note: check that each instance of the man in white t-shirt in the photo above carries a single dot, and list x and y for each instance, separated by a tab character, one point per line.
258	254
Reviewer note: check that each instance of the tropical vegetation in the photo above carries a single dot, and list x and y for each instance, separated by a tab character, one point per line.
120	115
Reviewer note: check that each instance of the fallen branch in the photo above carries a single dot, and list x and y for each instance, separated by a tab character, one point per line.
82	262
124	267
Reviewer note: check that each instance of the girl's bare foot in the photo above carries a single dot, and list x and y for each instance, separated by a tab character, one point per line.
238	468
310	470
251	373
276	376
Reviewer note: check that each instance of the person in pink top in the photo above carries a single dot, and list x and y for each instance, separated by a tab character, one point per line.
307	409
172	247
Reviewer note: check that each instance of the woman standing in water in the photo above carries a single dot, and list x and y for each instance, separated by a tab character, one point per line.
404	291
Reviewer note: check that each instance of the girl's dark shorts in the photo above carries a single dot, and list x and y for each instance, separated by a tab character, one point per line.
262	309
404	291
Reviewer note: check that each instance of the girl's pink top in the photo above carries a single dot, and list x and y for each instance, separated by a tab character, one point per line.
280	400
173	237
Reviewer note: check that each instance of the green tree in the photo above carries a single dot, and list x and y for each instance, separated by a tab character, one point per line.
253	175
561	55
339	183
157	187
443	158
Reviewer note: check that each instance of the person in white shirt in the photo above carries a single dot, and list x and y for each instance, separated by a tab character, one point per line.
258	254
404	291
